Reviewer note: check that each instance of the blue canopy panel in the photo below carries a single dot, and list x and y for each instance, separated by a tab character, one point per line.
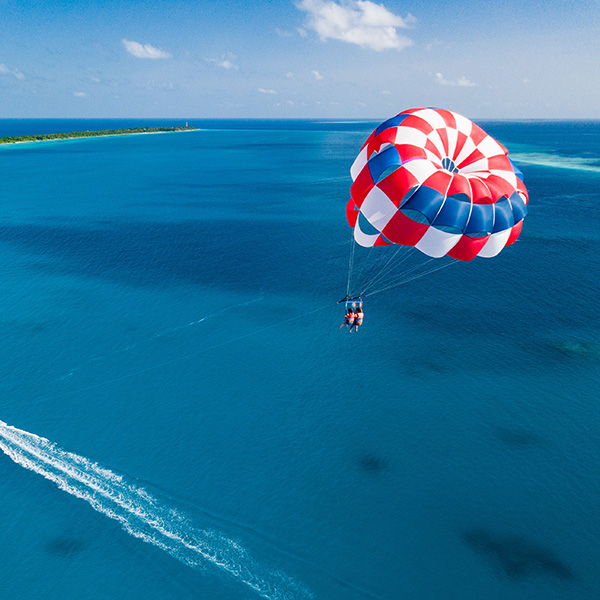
393	122
518	207
481	221
503	215
408	194
454	213
425	200
449	165
382	162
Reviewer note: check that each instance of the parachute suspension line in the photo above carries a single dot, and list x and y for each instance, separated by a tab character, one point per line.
399	277
383	269
384	272
364	262
350	264
378	273
418	276
373	268
411	270
412	278
384	258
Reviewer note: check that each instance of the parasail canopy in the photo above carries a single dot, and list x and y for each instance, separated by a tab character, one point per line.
432	179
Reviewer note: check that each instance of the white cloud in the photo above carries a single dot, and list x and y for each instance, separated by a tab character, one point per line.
264	91
359	22
464	82
317	75
79	94
144	51
224	63
386	92
289	75
4	70
460	82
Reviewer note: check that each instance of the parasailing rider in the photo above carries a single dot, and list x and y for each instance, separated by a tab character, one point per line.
348	319
358	319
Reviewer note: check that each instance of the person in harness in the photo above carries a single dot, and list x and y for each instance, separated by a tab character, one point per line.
348	319
358	319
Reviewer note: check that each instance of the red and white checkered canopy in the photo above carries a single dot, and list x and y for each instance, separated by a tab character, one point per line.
432	179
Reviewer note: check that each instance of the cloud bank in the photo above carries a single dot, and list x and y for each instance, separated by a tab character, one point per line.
4	70
360	22
461	81
144	51
223	63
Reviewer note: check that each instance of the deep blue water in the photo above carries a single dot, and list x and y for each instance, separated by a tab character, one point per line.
169	316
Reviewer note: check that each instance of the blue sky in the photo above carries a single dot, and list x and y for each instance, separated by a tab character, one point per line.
302	58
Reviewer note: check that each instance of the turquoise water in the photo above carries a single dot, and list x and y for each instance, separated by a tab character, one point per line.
170	323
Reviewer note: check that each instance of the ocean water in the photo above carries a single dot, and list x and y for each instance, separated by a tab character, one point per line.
193	425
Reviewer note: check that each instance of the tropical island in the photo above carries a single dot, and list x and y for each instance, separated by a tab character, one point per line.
81	134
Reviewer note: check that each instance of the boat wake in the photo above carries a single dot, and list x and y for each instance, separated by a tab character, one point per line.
143	516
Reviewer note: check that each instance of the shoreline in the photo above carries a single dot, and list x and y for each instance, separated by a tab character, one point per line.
78	135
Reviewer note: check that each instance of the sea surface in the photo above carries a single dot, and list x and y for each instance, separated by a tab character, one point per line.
182	418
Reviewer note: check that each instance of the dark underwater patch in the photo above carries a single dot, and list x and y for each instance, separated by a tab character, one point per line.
371	463
515	556
238	254
425	364
517	437
28	327
64	546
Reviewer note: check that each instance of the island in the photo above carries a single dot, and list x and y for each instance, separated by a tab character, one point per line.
82	134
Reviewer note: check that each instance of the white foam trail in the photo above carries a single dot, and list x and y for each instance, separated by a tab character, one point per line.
575	163
142	515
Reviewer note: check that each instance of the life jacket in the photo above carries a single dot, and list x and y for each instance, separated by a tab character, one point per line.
359	318
349	317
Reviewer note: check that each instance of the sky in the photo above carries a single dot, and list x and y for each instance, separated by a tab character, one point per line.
335	59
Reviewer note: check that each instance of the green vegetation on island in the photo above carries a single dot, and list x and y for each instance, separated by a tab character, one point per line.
81	134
